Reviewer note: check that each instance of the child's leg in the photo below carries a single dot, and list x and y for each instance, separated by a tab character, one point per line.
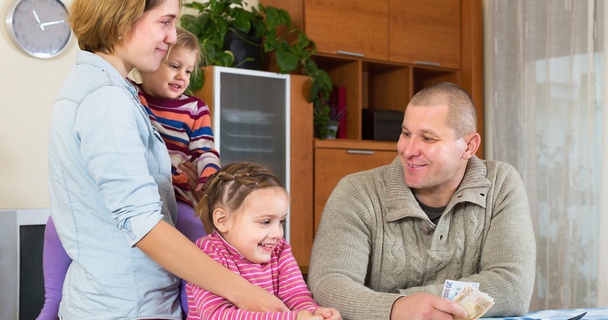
192	227
55	263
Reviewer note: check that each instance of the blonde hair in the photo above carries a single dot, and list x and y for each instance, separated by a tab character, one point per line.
462	116
230	186
99	24
188	41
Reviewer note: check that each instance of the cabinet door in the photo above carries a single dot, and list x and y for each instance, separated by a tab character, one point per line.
331	165
425	32
348	26
251	118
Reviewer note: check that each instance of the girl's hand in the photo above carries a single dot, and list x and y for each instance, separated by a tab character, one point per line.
307	315
328	313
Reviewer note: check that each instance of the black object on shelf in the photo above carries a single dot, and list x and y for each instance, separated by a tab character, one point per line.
381	124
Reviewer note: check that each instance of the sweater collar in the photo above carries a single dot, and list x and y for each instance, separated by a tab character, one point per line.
164	102
401	203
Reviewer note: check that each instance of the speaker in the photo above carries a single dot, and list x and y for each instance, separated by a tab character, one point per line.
381	124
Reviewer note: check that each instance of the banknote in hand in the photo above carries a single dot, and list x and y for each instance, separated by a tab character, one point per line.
475	302
451	288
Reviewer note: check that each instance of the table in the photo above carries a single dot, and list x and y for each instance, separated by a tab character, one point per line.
592	314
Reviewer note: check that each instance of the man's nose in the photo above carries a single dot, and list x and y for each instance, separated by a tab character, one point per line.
411	147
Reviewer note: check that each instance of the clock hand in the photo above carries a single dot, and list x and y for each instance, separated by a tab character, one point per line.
46	24
37	19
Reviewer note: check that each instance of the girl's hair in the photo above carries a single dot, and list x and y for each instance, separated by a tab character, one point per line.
229	187
99	25
188	41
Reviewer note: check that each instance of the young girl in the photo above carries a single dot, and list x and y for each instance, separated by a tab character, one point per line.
111	193
246	205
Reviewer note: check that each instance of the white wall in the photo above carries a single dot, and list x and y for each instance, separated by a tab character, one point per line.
28	87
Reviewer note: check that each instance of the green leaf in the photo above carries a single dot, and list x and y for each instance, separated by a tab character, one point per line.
195	5
201	21
276	17
243	21
286	61
224	58
303	40
196	82
260	28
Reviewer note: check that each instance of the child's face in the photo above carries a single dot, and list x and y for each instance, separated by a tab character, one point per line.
172	77
257	226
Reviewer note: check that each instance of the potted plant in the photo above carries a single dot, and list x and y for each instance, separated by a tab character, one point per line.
292	49
219	20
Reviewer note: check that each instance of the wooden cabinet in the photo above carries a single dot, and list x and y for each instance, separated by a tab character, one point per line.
403	46
425	32
358	27
378	84
335	159
408	31
426	42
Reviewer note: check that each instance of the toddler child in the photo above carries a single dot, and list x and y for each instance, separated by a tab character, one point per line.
183	121
247	205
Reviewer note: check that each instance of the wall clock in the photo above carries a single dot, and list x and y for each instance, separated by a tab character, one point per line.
39	28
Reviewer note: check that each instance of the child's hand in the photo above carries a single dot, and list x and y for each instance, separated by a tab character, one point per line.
328	313
307	315
189	169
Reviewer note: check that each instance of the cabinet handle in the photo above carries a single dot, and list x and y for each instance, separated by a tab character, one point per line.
427	63
348	53
359	151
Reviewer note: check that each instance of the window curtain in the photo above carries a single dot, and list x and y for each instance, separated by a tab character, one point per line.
545	91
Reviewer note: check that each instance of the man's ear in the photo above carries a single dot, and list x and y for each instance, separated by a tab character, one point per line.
220	220
473	141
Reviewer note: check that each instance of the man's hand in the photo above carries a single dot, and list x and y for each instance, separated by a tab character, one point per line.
425	306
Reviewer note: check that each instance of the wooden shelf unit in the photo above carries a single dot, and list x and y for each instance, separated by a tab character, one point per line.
383	52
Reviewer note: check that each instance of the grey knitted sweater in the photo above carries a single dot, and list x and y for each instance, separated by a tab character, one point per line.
375	244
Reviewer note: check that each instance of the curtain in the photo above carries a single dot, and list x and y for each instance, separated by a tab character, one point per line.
544	114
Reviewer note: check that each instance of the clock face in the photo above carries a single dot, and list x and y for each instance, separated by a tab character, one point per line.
39	28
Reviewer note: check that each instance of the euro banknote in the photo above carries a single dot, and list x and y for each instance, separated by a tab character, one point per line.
475	302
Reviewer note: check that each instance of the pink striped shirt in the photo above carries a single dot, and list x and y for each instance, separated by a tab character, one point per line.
279	276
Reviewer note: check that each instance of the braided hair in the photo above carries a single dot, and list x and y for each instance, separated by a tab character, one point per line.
229	187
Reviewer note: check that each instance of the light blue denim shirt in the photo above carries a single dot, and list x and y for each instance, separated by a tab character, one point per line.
109	184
